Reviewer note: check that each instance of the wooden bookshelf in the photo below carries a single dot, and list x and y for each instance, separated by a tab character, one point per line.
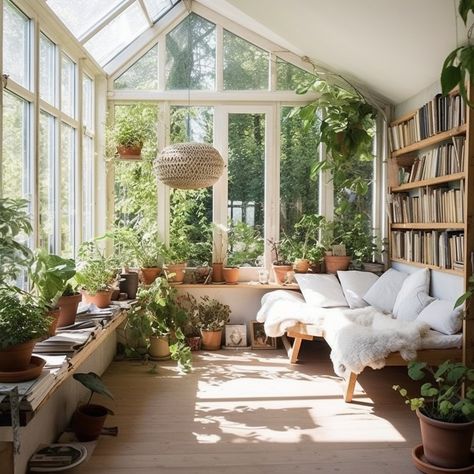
429	226
429	182
431	267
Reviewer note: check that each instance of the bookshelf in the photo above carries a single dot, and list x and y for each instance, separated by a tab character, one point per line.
430	199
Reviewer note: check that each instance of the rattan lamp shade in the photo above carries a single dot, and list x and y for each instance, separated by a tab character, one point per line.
189	165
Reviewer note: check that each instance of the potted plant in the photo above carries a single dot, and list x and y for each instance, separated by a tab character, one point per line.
190	328
332	235
131	127
22	323
213	316
49	275
176	255
95	275
280	264
220	245
446	416
88	419
231	270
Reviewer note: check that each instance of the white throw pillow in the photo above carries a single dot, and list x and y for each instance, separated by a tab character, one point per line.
383	293
321	290
354	285
442	317
413	295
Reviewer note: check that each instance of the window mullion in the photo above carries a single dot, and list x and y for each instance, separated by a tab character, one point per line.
163	137
34	134
219	58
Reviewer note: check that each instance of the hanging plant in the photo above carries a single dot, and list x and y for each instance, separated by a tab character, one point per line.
458	67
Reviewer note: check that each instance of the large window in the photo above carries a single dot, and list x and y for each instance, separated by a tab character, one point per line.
68	86
67	189
142	75
47	70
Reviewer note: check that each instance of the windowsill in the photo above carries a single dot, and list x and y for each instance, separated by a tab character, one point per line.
240	285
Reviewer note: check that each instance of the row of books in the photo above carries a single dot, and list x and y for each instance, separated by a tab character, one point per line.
438	115
445	159
429	205
443	249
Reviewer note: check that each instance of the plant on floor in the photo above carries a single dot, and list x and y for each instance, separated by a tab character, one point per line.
458	67
189	305
14	228
446	416
212	314
88	419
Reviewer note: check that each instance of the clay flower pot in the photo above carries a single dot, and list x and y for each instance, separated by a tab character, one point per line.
217	272
194	343
211	340
231	275
16	358
159	347
54	315
129	152
150	274
101	299
280	273
68	309
129	284
301	265
88	420
178	270
334	263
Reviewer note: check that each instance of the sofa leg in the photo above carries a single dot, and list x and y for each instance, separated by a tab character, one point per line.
349	387
292	350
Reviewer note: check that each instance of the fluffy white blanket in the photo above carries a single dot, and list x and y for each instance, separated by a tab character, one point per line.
358	338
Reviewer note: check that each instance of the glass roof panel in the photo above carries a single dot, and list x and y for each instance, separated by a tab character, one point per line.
157	8
80	15
117	34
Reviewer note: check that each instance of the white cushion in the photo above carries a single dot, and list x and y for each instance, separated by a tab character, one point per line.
354	285
321	290
413	295
383	293
289	295
442	317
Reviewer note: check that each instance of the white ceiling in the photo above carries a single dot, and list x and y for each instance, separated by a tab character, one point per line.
395	48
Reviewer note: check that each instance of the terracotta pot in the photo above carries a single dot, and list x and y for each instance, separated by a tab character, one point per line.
54	314
194	343
129	152
101	299
334	263
178	270
16	358
280	273
150	274
88	420
231	275
129	284
445	444
316	267
68	309
159	347
211	340
217	272
301	265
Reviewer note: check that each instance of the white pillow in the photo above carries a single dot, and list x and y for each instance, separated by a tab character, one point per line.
321	290
288	295
354	285
383	293
413	295
442	316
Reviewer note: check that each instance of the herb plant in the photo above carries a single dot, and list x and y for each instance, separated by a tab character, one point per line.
213	315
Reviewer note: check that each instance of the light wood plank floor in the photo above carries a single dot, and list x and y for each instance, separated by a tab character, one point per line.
251	412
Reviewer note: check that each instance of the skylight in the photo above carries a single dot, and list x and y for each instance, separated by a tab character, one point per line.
106	27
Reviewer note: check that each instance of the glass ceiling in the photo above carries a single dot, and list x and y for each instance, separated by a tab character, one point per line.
106	27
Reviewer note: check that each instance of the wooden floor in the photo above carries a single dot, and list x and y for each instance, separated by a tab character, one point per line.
251	412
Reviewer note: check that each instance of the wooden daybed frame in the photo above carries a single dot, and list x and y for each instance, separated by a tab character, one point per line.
307	332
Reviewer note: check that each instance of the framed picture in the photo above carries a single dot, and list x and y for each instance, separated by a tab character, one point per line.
258	338
235	335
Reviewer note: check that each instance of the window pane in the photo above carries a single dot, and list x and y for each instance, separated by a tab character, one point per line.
16	48
88	102
67	190
298	153
157	8
117	34
136	191
191	210
88	188
143	74
15	159
46	170
289	77
47	69
246	187
68	86
80	15
245	65
191	54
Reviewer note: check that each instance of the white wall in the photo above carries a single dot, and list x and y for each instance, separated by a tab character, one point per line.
416	101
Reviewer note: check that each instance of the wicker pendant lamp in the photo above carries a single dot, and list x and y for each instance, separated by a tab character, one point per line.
189	165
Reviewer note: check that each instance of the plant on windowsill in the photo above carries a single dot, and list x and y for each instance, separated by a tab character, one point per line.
176	255
219	246
212	316
96	274
281	263
88	419
131	128
231	270
446	416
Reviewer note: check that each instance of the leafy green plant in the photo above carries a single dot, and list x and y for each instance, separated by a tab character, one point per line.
178	250
94	383
458	67
95	271
181	352
49	275
245	245
21	318
188	304
213	315
441	398
280	252
14	227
